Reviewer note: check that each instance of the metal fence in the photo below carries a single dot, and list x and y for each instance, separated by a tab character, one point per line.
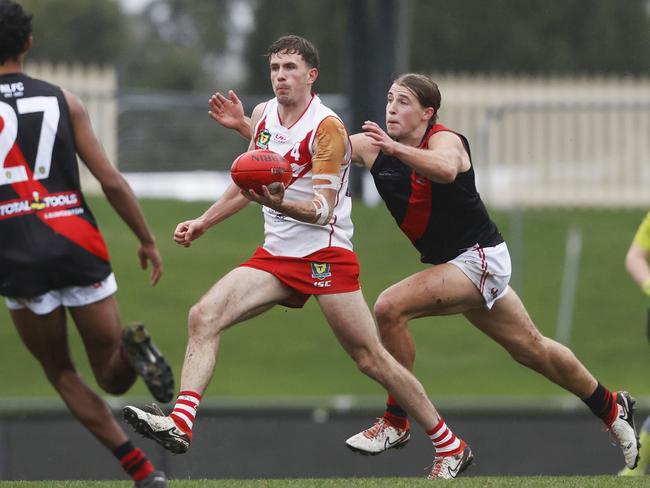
571	141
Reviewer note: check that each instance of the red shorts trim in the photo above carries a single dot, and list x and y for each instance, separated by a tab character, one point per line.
330	270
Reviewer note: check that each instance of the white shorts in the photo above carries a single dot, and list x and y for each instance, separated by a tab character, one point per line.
489	269
70	296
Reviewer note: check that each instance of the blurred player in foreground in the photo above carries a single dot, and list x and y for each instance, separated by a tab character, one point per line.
424	173
636	264
52	256
307	251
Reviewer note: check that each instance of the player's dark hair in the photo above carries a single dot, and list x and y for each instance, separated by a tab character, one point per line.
293	44
425	90
15	29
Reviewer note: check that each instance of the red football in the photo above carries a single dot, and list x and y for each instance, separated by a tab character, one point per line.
260	167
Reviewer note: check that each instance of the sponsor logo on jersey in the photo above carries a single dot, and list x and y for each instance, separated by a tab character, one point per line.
54	205
12	90
263	139
320	271
281	138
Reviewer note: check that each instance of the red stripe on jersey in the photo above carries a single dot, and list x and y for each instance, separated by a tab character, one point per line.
418	211
72	227
261	125
304	158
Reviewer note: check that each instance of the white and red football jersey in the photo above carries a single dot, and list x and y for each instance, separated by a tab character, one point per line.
283	235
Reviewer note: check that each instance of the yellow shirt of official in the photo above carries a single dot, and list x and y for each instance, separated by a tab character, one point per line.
642	237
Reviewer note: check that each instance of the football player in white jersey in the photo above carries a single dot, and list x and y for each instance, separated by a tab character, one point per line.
307	251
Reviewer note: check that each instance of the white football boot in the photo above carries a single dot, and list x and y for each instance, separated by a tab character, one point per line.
448	467
623	431
158	427
382	436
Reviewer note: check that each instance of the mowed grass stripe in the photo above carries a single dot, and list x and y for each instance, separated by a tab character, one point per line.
477	482
293	352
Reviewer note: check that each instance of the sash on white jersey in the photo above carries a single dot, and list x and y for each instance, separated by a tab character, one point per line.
283	235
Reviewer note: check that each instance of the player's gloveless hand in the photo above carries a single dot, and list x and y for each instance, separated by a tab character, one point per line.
229	112
378	137
271	196
149	252
188	231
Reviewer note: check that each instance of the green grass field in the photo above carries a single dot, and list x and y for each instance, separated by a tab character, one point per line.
292	352
478	482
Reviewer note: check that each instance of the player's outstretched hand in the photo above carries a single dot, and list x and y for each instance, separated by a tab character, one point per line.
378	137
149	252
188	231
271	195
229	112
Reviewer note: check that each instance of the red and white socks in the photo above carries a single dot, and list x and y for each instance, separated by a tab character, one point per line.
444	440
185	409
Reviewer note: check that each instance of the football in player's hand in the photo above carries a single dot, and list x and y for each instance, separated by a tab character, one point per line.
253	169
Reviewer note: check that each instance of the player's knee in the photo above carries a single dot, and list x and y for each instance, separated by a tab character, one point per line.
387	312
112	385
196	320
367	362
113	388
531	352
201	322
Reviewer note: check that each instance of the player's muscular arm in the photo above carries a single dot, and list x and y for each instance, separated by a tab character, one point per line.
117	190
329	153
231	202
442	160
363	152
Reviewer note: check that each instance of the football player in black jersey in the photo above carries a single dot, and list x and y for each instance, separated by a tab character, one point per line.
424	173
52	256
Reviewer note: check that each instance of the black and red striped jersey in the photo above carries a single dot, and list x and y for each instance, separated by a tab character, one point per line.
441	220
48	236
